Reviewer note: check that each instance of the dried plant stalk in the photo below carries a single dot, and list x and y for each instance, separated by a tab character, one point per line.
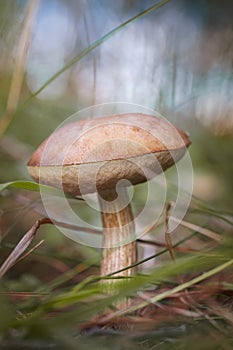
22	246
18	74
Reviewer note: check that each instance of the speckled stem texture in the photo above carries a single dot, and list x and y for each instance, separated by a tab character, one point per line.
119	241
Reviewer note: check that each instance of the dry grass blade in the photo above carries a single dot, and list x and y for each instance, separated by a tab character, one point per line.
22	246
172	291
223	312
38	209
30	251
21	58
204	231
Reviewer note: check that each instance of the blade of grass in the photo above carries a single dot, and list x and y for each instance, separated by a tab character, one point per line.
30	251
91	47
206	232
172	291
22	246
33	186
86	264
204	208
89	307
91	279
140	281
25	185
16	217
21	58
155	255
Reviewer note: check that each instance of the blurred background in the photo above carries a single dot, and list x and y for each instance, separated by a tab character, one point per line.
176	60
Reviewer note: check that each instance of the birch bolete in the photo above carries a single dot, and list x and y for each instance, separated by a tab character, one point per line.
103	155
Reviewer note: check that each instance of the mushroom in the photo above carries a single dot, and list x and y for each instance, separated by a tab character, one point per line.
103	155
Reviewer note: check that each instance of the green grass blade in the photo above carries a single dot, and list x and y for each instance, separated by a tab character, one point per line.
139	282
93	46
180	287
70	298
25	185
31	186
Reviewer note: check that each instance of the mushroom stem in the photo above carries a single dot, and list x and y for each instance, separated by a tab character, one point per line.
119	241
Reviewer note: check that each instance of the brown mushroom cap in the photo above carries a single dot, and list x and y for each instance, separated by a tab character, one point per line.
94	154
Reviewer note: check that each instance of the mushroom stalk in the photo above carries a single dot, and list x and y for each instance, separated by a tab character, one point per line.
119	241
